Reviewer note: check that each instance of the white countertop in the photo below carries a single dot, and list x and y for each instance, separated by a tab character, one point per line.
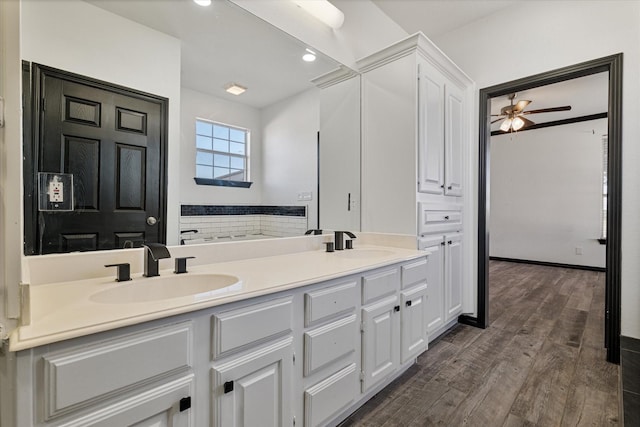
64	310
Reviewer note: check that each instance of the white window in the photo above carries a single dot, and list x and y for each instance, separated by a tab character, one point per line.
222	153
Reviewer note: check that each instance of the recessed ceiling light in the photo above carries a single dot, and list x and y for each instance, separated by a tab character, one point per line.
235	88
202	2
309	56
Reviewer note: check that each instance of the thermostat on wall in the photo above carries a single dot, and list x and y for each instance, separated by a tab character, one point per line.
55	191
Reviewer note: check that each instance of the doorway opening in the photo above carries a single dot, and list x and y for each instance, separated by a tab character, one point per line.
613	66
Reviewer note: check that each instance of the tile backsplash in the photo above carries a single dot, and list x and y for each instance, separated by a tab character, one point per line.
216	222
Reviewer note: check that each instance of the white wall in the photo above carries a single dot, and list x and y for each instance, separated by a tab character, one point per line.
366	28
75	36
558	34
546	194
199	105
290	151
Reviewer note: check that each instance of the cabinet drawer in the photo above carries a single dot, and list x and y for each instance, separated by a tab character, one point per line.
329	397
81	377
329	343
379	285
237	329
414	273
436	218
322	304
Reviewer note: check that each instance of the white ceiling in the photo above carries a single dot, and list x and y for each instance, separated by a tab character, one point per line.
436	17
222	44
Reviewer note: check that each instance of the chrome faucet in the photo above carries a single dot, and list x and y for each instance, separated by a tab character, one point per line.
152	254
339	239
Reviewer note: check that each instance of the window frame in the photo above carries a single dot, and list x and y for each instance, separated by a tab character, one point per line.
246	183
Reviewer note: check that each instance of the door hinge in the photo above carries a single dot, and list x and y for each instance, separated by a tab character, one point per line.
361	326
294	358
361	375
294	421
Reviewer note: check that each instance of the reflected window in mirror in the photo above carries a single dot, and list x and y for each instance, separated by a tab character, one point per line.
222	154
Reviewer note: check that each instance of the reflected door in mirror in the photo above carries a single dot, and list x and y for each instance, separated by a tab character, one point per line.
110	140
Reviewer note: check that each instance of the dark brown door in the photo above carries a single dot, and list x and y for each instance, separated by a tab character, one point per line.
111	140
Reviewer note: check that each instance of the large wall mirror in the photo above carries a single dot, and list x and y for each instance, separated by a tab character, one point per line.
187	55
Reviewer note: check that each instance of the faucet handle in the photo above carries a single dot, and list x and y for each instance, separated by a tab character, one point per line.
181	264
124	271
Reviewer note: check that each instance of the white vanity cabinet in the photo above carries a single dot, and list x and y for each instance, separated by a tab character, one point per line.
444	302
306	356
252	369
143	378
330	345
393	319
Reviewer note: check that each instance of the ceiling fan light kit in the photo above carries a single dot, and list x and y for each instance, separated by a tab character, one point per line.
512	115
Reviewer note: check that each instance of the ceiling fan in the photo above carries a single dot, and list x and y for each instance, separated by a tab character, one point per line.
512	115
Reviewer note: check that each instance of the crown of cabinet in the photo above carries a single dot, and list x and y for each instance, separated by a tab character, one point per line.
416	43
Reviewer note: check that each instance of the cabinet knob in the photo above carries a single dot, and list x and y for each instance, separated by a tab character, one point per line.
442	243
449	187
396	308
185	403
442	186
408	303
449	242
228	387
446	217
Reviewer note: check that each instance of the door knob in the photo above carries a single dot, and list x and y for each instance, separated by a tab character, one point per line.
152	220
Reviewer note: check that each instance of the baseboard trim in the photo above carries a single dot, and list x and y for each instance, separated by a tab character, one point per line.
549	264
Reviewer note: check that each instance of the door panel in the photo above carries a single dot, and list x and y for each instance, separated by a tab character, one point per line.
113	142
431	130
454	140
453	259
414	325
380	341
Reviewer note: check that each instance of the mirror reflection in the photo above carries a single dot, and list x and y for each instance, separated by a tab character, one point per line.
179	122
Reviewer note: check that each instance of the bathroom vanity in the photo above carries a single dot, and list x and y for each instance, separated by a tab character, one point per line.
300	338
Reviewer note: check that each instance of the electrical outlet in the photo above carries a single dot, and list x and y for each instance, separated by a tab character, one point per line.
578	250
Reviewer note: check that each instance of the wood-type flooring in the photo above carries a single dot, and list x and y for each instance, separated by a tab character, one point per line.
541	362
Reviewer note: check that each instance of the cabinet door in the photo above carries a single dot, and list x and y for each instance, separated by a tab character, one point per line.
435	282
454	136
453	261
168	405
255	389
431	131
380	340
414	325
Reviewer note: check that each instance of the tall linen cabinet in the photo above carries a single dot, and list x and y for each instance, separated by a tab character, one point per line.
415	132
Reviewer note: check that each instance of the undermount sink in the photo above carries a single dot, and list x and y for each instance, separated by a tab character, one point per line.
363	253
199	286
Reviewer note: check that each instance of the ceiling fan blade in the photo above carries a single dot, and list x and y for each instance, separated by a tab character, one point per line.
496	120
548	110
521	105
527	122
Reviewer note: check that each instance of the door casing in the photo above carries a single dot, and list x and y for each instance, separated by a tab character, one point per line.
613	65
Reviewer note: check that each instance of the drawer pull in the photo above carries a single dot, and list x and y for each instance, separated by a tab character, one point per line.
228	387
185	403
408	303
396	308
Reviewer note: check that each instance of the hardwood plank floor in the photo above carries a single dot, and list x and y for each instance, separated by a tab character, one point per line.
541	362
